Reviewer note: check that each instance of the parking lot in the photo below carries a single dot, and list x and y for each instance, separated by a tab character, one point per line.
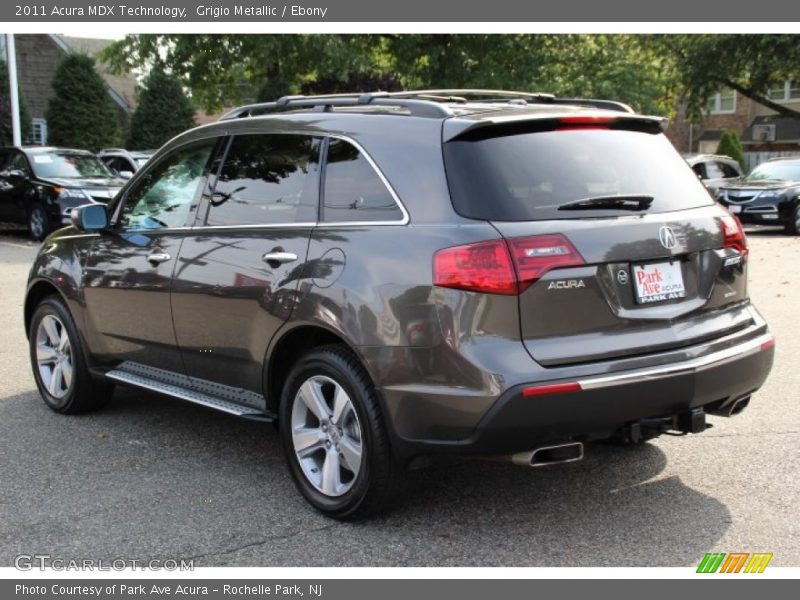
152	477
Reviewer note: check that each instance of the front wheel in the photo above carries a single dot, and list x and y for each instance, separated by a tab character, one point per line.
59	364
334	436
38	222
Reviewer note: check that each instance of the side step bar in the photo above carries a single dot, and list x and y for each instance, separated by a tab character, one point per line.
184	388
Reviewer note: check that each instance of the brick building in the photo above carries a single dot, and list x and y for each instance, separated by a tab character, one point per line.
38	56
764	133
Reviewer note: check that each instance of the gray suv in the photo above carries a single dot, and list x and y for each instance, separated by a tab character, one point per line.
394	277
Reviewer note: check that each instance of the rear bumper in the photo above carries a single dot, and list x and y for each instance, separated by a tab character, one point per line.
605	403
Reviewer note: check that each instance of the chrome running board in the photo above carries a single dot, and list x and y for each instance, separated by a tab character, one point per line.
227	399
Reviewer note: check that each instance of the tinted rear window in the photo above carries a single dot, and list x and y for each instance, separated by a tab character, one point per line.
528	176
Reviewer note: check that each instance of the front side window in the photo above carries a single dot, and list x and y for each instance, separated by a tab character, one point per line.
19	163
714	171
353	190
266	179
163	196
728	171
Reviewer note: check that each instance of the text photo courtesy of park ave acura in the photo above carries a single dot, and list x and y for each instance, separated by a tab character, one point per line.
516	300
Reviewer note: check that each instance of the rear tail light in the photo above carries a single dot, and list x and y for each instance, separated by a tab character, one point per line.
503	267
482	267
536	255
733	235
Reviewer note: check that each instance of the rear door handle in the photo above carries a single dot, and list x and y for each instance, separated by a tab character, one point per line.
279	257
158	257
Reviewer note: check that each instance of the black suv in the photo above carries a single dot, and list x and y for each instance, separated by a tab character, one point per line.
768	195
391	277
39	186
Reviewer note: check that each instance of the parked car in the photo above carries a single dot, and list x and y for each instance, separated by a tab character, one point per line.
394	277
124	162
714	170
769	195
39	186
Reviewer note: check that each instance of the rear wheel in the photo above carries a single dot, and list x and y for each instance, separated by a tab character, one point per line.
59	363
334	437
793	226
38	222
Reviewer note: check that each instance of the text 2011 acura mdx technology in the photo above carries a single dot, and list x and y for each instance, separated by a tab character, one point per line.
392	277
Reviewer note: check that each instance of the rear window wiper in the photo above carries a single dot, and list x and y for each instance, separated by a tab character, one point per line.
618	202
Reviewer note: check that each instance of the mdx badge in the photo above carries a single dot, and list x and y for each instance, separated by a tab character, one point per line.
566	284
667	237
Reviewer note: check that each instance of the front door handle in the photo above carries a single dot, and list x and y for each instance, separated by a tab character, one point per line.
279	258
158	257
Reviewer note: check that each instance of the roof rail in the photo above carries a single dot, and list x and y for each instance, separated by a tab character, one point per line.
421	103
417	107
112	150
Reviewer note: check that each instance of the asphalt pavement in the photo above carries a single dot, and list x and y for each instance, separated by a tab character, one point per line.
152	477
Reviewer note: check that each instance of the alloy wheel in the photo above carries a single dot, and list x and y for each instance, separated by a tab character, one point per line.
37	223
326	435
54	356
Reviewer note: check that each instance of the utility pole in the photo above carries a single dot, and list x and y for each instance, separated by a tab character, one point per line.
14	88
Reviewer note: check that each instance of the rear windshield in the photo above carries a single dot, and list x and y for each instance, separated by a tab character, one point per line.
529	176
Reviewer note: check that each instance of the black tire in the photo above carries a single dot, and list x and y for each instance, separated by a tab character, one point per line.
84	393
793	226
380	479
38	222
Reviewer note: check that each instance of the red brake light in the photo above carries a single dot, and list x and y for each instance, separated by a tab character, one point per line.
489	267
587	120
536	255
584	122
733	234
482	267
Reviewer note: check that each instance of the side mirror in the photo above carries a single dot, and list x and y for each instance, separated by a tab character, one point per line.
125	174
16	174
90	217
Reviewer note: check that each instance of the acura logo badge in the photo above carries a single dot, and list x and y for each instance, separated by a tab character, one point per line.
667	237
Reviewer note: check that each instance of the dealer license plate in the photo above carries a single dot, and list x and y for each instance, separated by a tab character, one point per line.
658	282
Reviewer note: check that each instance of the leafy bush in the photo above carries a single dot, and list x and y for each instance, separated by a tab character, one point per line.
729	145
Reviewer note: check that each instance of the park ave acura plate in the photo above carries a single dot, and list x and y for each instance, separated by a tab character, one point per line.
658	282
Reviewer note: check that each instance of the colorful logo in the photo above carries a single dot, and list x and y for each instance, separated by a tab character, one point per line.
734	562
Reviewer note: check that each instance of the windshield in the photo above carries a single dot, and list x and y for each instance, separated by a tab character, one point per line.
529	176
780	171
68	165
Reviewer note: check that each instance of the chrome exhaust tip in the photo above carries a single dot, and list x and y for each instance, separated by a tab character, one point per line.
549	455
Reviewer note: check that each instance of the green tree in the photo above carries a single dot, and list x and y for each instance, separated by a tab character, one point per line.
6	133
749	64
163	111
81	113
225	69
729	145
